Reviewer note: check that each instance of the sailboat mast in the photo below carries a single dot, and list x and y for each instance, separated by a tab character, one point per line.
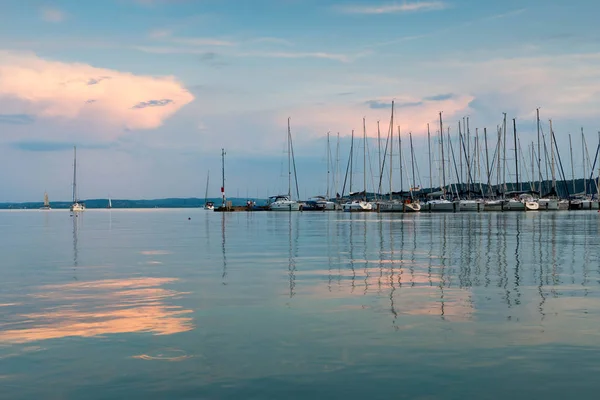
365	158
351	159
516	151
289	143
583	161
412	156
74	174
552	157
391	150
223	175
379	147
504	153
328	165
443	162
429	151
337	164
400	159
572	169
539	152
487	159
206	192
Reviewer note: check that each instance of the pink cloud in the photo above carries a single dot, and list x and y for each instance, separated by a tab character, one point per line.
412	114
74	92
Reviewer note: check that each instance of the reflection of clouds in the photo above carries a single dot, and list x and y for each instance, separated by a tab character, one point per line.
94	308
416	293
155	252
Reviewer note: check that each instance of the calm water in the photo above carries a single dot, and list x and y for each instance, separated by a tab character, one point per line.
147	304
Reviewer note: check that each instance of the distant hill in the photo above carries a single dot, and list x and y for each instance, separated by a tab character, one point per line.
116	203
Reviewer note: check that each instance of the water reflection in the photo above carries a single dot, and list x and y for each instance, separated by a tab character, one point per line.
94	308
456	267
224	273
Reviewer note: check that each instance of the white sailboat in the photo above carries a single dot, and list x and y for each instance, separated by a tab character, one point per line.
77	206
46	205
109	206
285	202
208	205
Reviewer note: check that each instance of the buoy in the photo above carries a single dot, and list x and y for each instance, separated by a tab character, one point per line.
189	218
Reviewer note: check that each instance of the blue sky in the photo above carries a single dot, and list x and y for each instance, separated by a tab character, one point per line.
151	90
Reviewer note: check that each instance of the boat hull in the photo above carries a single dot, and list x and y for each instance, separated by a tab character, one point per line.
285	206
441	206
357	206
548	204
467	205
492	205
514	205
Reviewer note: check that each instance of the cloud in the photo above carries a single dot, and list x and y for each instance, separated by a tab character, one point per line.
52	15
81	93
153	103
376	104
16	119
293	55
393	8
439	97
193	41
45	146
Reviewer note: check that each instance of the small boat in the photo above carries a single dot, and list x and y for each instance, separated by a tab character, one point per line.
530	203
283	203
357	206
319	203
208	205
46	205
77	206
109	206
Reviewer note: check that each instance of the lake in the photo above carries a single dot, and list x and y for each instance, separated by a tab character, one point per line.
192	304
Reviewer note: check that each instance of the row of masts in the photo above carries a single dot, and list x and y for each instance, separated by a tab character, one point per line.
468	178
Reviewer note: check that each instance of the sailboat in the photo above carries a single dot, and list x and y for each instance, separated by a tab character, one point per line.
46	205
208	205
109	206
360	205
285	202
76	206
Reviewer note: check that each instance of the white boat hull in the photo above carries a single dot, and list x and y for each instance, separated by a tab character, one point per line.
440	206
285	206
492	205
531	205
357	206
548	204
77	207
514	205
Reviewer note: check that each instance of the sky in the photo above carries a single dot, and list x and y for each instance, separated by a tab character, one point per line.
150	91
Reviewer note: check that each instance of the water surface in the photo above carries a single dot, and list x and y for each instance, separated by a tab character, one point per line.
187	304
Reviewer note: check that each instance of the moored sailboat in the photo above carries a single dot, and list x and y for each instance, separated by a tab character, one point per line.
76	206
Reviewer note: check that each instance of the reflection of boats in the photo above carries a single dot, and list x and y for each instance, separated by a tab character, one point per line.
77	206
46	205
208	205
